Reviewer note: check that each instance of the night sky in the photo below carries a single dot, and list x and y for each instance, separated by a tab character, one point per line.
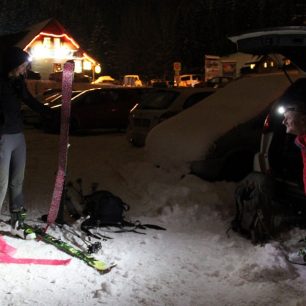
146	36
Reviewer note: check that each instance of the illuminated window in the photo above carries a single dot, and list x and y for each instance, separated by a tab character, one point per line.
77	66
57	67
86	65
271	64
57	42
252	66
47	42
265	64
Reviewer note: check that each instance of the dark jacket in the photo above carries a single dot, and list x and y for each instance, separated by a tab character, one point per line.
12	94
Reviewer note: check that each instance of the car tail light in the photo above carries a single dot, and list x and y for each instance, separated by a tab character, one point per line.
267	124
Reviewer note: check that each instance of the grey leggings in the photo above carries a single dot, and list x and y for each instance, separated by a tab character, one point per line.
12	166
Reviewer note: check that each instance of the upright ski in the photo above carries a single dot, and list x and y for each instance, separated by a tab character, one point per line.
68	74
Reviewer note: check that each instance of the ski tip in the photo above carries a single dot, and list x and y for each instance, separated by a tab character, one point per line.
107	269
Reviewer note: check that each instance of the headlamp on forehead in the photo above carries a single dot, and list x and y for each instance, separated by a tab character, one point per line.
282	109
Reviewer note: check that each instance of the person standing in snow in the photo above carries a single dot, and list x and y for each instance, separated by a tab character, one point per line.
13	91
295	117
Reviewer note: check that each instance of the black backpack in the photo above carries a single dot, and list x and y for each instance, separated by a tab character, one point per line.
262	212
104	209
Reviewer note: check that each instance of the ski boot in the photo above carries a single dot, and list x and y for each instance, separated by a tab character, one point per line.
18	228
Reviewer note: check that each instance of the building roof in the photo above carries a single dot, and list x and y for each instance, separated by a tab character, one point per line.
24	38
50	25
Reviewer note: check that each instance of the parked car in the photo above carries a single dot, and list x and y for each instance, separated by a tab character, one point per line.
159	83
218	82
231	156
278	156
189	80
261	144
132	80
49	97
158	105
78	77
106	80
98	108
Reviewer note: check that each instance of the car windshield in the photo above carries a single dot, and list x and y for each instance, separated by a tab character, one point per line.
157	100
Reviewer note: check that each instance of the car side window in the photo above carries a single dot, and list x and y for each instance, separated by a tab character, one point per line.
97	97
158	100
195	98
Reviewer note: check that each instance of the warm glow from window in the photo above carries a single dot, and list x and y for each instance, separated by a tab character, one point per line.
40	51
265	64
271	64
77	66
287	62
47	42
252	66
57	67
48	45
62	52
86	65
57	42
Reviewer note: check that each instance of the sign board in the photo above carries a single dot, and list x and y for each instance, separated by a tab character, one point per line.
177	66
212	67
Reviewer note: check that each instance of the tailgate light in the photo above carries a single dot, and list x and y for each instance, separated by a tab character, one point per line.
267	124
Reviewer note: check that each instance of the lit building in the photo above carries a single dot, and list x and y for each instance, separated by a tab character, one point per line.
50	46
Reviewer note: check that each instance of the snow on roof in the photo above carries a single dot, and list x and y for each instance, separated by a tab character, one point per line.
186	137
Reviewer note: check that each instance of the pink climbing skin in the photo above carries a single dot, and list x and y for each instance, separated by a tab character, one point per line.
68	74
7	252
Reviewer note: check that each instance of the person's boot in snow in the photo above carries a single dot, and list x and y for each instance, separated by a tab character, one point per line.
18	228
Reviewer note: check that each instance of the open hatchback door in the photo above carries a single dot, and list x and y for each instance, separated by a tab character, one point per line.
289	41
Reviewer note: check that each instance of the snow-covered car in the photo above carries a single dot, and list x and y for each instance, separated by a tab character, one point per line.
261	143
231	155
278	156
159	105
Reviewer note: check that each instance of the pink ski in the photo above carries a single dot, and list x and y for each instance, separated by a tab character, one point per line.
67	80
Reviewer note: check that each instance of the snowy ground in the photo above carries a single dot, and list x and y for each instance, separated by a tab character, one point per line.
193	263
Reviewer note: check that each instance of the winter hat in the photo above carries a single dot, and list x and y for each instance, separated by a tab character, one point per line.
14	57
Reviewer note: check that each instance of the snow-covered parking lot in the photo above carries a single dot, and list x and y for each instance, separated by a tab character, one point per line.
194	262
